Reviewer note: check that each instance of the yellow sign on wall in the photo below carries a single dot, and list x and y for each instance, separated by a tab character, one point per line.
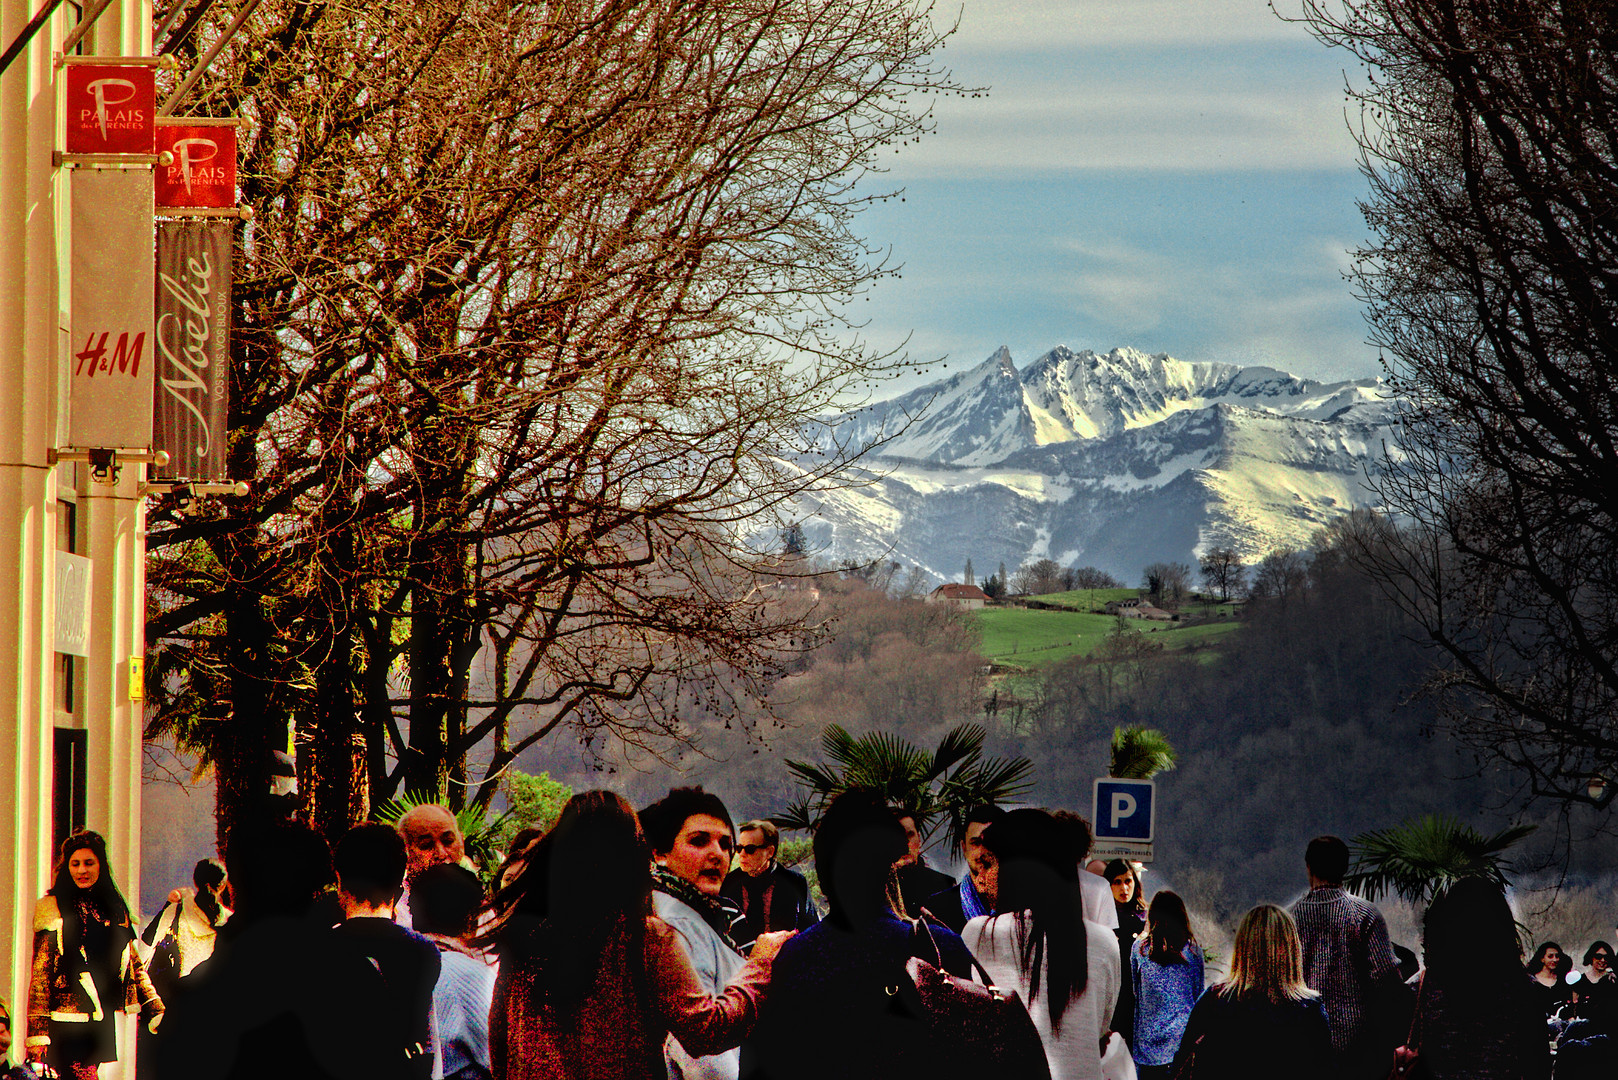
137	678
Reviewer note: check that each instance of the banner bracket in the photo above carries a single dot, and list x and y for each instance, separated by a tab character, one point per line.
186	495
110	161
105	461
245	213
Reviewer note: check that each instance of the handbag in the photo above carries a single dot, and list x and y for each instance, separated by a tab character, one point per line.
1117	1063
977	1030
1187	1060
1407	1063
164	966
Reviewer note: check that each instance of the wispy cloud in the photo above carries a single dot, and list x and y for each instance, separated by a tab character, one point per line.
1173	175
1024	25
1245	267
1187	85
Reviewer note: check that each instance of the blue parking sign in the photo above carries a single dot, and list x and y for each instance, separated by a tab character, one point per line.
1123	809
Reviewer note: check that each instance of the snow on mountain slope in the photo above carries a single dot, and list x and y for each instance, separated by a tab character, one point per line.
1115	461
991	411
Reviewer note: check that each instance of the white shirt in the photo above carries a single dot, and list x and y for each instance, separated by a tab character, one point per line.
1098	903
1074	1052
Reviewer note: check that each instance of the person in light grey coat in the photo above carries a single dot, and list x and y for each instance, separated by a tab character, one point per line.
692	837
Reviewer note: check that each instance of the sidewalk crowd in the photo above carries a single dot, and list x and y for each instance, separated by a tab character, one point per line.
671	943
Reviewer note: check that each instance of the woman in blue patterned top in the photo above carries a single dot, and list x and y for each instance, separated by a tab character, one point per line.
1166	972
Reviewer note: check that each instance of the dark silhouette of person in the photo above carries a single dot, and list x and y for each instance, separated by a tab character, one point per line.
276	999
370	863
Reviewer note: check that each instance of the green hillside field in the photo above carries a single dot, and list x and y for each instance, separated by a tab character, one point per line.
1032	639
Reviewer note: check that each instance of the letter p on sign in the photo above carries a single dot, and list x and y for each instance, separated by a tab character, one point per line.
1123	806
1123	809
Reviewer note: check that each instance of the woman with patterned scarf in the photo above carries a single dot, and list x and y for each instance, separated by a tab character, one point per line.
691	837
86	968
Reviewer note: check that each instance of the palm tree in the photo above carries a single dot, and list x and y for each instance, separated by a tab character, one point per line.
480	836
1421	857
942	785
1140	753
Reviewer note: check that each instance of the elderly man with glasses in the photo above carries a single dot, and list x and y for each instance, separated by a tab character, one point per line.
771	896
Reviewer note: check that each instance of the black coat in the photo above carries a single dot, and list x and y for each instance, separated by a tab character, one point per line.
919	882
777	899
1233	1040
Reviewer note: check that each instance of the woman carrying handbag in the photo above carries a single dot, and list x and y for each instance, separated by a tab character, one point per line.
1477	1014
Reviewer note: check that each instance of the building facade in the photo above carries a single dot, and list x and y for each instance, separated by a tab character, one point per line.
72	586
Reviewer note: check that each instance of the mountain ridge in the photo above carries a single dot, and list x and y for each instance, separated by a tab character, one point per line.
1113	460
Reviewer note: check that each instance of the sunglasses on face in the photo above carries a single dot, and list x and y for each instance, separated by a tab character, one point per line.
748	849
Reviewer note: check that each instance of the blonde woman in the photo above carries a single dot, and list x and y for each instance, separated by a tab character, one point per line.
1262	1020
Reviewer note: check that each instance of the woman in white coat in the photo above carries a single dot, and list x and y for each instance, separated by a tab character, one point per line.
1065	969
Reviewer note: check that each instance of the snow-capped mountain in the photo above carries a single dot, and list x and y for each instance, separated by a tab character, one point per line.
1115	461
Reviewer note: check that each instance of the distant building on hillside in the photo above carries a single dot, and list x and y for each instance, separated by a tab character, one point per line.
967	597
1137	608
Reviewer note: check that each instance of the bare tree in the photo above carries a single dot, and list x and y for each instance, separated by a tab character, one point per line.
1281	575
1089	577
1168	584
1490	288
1037	578
536	310
1223	573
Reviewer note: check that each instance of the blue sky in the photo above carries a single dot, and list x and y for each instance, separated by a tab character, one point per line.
1173	175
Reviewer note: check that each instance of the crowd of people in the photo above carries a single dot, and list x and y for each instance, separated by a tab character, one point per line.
670	943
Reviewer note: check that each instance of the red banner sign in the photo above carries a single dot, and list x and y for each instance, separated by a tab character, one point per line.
111	109
111	362
204	168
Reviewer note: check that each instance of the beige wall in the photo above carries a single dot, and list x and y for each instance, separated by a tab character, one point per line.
33	294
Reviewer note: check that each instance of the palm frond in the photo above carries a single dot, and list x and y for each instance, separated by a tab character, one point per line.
1423	856
837	744
817	776
797	815
1139	752
886	762
938	786
961	745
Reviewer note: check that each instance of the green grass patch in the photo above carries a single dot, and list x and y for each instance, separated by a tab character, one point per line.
1086	599
1034	639
1038	638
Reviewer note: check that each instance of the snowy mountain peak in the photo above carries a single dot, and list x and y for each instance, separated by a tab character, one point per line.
984	415
1116	460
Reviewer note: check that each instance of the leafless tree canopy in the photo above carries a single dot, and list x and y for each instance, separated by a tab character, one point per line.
1168	584
536	307
1037	577
1490	141
1223	573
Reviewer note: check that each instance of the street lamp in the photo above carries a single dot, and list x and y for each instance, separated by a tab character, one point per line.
1598	791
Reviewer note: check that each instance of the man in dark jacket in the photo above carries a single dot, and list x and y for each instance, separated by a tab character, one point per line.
917	880
772	896
973	895
370	862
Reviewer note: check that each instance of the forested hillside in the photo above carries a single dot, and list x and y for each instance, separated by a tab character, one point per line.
1305	720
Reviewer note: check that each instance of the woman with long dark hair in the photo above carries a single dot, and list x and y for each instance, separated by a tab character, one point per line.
1478	1014
1129	904
590	981
1065	969
1166	973
1549	968
86	968
833	1010
1262	1019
